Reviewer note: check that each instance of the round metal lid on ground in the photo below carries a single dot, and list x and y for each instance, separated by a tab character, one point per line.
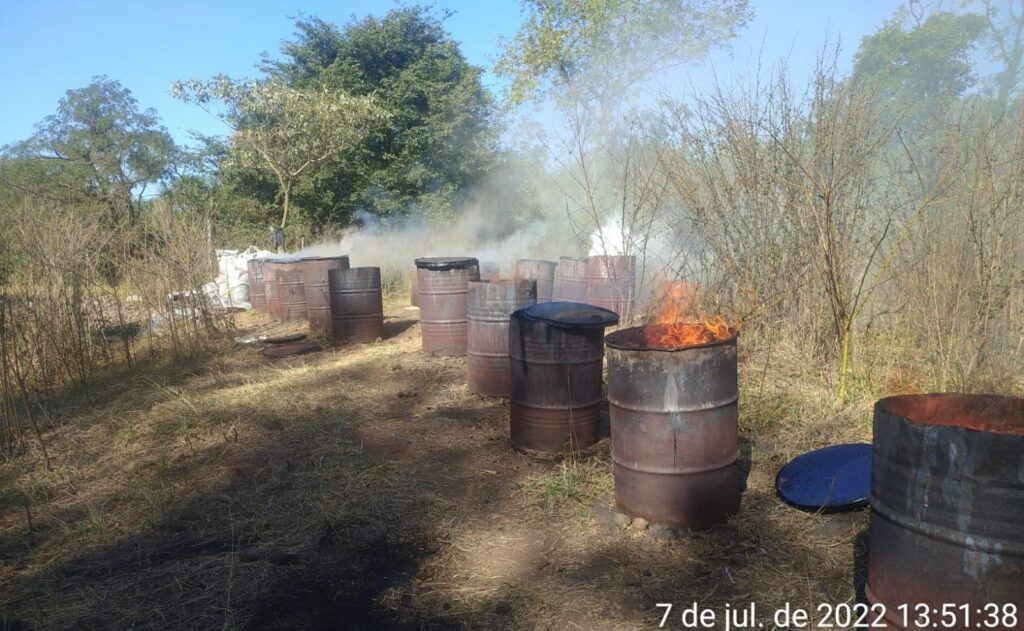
571	315
289	350
446	262
830	480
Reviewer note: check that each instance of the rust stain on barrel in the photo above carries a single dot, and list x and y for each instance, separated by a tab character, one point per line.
290	289
270	288
674	430
356	304
947	503
443	284
557	352
314	276
570	280
257	288
611	283
490	306
543	272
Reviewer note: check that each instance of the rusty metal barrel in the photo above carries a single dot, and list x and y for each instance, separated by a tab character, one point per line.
947	507
314	275
557	354
257	288
290	289
490	307
270	288
414	292
543	272
570	280
674	429
356	304
443	284
611	283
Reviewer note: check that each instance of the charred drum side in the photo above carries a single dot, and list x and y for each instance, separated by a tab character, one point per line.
947	504
674	431
356	304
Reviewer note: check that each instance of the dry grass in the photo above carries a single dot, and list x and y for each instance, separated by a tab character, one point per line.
364	487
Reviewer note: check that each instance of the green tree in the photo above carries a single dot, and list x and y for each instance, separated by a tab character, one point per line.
1005	45
440	140
101	145
287	131
600	49
923	68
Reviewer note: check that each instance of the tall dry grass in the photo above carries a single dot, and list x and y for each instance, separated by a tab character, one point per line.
832	229
83	298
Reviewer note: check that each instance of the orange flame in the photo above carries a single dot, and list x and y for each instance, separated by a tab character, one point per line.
677	323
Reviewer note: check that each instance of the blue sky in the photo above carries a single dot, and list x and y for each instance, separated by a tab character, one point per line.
48	47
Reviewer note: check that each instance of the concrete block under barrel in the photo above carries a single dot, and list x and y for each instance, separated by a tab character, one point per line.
290	288
611	283
557	354
314	275
543	272
443	284
356	304
947	509
674	429
570	280
491	304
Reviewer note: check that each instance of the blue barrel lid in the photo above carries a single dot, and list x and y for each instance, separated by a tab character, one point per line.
570	315
830	480
446	262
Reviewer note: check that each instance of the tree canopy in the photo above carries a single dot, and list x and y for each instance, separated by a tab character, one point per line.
599	49
290	132
100	145
439	140
924	67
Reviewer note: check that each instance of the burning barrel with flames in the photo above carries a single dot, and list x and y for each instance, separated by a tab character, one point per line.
570	280
443	285
490	306
947	508
672	395
543	272
557	355
318	302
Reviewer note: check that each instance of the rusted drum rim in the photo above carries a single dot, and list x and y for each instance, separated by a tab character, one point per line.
621	340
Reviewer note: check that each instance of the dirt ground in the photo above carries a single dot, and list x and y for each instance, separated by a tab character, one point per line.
365	488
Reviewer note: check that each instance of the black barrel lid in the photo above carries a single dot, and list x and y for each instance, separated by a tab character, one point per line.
830	480
571	315
446	262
